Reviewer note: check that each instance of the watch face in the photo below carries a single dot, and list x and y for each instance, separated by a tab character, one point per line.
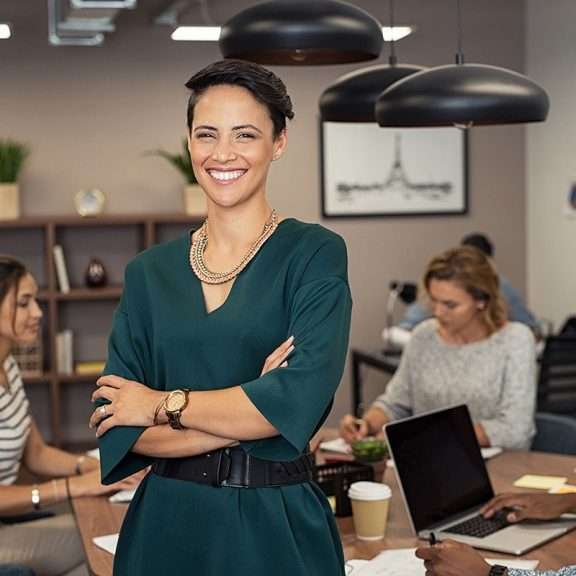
175	401
89	202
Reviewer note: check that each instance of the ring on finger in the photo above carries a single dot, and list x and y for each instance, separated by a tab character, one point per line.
103	411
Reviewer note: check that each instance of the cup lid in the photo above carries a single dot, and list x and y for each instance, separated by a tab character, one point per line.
369	491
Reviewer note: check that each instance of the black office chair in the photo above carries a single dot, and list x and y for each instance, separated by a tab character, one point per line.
557	378
555	433
13	570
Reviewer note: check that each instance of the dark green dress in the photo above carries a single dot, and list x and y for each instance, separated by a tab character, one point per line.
163	337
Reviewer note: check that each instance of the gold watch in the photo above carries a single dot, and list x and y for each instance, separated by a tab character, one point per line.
174	404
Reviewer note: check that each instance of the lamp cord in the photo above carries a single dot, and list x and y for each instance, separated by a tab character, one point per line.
392	60
459	53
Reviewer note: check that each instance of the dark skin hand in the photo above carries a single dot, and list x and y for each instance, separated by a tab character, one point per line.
531	506
451	558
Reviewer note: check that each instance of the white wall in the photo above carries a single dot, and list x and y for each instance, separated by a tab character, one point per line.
551	159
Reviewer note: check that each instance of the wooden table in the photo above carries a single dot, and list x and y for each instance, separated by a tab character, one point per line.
97	516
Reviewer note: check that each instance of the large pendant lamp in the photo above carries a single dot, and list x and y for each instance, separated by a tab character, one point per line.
463	95
302	33
353	96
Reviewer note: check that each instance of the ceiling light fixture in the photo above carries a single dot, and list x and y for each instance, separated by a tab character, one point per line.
302	33
196	33
463	95
5	31
353	96
212	33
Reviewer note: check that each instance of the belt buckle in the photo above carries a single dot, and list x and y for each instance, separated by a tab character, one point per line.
240	464
223	468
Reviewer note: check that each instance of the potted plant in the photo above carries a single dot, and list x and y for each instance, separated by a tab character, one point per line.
194	199
12	156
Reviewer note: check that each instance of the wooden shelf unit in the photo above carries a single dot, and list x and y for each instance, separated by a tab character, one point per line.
32	241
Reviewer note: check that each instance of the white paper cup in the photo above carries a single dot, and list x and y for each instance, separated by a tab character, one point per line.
370	502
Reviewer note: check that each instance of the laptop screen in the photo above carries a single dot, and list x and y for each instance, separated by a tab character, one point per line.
439	465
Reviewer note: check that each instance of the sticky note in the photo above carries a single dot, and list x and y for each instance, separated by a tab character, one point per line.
541	482
563	489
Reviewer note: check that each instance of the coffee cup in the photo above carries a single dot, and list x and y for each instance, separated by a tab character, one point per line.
370	502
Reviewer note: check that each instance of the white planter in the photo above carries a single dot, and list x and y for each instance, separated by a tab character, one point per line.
194	200
9	202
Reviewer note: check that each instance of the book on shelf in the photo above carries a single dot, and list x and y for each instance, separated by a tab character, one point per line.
61	271
96	367
65	352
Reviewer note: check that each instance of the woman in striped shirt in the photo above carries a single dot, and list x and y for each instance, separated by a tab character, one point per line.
50	545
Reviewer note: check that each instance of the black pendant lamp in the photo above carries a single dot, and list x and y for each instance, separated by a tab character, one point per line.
353	96
302	33
462	95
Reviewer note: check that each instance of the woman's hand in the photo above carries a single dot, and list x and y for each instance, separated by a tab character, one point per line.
130	404
278	358
352	429
90	484
530	506
451	558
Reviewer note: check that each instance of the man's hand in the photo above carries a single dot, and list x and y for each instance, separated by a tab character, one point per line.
530	506
451	558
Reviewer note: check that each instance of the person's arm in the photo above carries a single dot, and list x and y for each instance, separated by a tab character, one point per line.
513	425
44	460
531	506
371	423
450	558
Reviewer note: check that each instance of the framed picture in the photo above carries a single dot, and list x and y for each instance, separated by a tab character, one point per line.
373	171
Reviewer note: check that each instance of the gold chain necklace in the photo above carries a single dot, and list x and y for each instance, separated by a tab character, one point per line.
199	246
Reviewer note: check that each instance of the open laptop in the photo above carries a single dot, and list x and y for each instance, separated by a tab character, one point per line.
444	483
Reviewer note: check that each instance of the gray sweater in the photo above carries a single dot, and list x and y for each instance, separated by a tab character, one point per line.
494	377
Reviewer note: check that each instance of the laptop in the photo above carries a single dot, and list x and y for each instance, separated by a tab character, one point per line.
444	483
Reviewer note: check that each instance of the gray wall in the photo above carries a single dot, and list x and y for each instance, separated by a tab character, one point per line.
551	59
89	115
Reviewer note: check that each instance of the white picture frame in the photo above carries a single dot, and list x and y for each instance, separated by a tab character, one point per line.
370	171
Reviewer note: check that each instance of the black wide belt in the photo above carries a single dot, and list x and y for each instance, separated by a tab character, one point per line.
234	467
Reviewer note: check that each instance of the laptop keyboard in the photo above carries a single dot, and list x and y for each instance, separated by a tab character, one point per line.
478	526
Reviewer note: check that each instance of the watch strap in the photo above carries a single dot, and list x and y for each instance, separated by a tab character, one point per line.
175	415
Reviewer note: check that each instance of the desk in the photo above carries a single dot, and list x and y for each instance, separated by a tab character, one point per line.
96	516
386	362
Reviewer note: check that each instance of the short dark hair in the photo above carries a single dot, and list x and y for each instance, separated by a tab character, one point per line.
11	272
480	242
263	84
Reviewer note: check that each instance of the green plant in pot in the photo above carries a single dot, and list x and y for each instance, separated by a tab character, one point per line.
12	157
194	199
370	449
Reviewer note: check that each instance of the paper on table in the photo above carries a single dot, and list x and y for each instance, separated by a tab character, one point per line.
337	445
541	482
352	566
403	562
107	542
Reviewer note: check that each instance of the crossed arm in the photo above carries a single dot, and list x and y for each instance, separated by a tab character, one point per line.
212	419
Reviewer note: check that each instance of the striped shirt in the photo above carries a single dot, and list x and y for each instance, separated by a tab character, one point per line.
15	422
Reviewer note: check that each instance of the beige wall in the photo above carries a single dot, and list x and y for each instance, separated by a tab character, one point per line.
551	60
89	114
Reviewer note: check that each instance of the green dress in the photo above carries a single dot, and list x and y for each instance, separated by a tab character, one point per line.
164	337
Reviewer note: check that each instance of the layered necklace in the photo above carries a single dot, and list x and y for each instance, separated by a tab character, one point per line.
200	241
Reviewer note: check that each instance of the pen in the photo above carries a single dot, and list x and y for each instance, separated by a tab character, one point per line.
432	539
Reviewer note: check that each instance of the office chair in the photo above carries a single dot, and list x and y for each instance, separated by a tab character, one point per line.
557	377
555	433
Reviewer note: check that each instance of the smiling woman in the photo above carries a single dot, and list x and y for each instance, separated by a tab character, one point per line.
226	351
29	535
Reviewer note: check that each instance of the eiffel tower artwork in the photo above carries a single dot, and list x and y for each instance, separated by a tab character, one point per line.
397	182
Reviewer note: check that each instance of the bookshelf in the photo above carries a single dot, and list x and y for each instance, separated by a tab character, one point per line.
60	403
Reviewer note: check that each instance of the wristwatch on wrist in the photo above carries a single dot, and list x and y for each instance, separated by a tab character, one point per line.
174	404
497	570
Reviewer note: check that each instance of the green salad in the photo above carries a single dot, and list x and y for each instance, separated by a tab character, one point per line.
370	449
